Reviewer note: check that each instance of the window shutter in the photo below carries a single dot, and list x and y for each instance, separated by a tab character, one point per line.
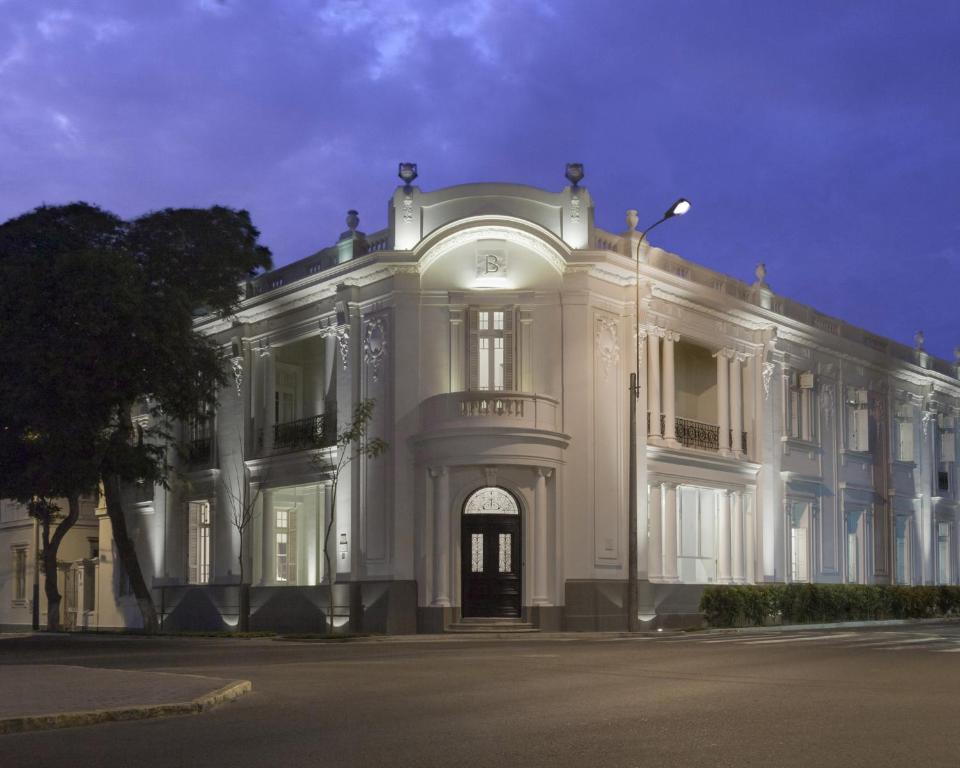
192	544
948	446
473	347
862	417
508	345
292	547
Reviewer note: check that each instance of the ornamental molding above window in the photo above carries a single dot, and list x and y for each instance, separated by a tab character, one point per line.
491	501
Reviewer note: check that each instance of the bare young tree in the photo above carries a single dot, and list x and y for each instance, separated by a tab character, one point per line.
243	501
48	515
351	444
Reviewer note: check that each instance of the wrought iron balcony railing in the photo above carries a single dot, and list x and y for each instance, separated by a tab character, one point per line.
311	432
697	434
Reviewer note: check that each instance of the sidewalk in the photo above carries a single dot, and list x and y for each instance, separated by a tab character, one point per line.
37	697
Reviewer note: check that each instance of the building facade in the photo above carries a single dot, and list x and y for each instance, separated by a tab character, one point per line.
496	329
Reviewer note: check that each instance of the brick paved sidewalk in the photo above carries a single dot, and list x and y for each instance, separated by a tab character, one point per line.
54	695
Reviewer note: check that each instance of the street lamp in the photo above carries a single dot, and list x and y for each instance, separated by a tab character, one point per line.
680	207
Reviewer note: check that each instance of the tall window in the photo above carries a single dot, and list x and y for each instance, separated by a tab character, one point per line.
697	554
943	553
800	406
856	571
286	396
198	556
903	442
858	419
286	544
491	349
799	541
20	574
901	553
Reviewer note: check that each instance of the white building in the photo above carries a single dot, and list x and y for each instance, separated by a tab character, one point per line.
494	326
77	560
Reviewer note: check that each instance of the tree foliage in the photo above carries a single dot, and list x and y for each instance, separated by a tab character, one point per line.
97	314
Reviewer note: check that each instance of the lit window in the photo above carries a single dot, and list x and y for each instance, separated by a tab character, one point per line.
505	553
285	544
476	553
198	556
491	349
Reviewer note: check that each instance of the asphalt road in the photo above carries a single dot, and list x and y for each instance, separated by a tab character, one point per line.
846	697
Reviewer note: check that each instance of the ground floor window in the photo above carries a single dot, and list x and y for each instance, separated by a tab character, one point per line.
901	551
20	574
943	553
198	554
800	541
855	565
697	551
292	535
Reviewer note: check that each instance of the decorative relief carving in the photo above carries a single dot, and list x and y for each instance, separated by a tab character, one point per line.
607	347
236	364
406	210
342	334
768	369
828	402
375	345
575	209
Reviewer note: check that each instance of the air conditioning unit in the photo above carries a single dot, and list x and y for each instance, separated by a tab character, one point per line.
806	380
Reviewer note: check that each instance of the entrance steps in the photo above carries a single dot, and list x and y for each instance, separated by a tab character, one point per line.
490	626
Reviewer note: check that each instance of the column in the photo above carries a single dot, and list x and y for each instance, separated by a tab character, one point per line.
269	386
441	537
457	356
723	538
330	377
736	536
736	404
655	545
723	401
750	527
669	388
267	570
540	590
526	351
670	533
653	380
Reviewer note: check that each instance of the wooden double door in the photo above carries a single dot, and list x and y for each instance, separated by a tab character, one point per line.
491	566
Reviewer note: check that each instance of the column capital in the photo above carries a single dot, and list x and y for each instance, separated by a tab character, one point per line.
742	357
726	352
656	330
544	472
437	471
671	336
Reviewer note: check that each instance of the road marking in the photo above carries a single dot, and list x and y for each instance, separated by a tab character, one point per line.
802	639
754	638
947	650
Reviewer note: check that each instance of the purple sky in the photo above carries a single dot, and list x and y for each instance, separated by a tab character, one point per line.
820	137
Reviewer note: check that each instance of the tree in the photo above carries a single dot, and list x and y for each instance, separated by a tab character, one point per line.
127	336
352	443
235	484
53	265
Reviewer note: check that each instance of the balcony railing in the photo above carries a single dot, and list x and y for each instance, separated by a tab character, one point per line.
486	409
310	432
198	451
697	434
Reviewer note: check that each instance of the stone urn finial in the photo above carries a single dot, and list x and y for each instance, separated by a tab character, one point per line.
632	219
918	341
574	173
353	220
761	273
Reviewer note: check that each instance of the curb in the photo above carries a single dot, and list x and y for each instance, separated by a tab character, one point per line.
89	717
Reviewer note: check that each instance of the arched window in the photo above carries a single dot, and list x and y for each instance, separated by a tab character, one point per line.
491	501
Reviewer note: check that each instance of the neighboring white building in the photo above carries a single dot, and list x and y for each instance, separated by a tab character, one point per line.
494	326
78	559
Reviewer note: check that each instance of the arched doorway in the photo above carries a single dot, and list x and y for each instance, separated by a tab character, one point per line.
490	562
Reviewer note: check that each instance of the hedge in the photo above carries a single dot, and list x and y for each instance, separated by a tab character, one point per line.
760	604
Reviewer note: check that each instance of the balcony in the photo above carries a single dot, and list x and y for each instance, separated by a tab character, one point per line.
497	410
302	434
697	434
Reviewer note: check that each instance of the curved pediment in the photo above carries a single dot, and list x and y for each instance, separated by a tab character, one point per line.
491	253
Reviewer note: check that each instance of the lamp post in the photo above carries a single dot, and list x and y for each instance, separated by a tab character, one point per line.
679	208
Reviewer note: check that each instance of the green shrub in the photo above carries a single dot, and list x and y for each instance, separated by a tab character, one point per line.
760	604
